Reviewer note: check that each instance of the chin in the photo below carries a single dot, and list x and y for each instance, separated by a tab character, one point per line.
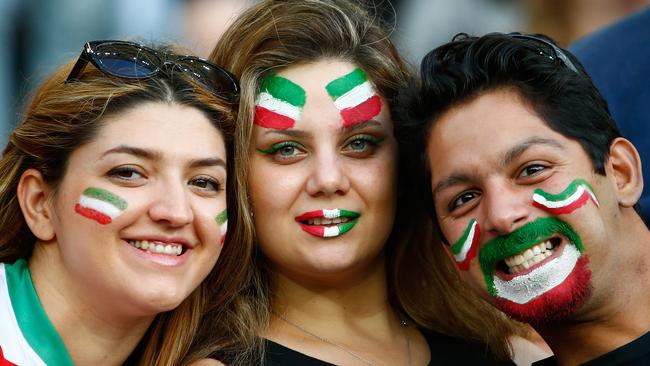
555	305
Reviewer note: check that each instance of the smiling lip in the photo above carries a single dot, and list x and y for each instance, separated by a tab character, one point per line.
327	223
166	251
533	257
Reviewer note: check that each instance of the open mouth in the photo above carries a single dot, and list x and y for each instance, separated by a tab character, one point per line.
327	223
530	258
158	247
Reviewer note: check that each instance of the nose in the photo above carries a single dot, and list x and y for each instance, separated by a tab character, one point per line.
171	205
507	208
329	175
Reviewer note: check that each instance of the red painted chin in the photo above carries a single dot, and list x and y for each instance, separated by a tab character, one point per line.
556	304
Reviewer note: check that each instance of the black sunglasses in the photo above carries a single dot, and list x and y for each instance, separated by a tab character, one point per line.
130	60
550	50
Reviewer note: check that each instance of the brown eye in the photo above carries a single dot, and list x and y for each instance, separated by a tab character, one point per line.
462	199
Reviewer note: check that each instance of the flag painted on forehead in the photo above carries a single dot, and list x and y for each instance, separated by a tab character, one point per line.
464	250
100	205
573	197
222	220
279	104
354	97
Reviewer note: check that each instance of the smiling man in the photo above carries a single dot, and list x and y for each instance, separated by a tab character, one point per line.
534	191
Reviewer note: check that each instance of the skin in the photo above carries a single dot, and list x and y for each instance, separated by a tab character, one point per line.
343	277
493	180
101	293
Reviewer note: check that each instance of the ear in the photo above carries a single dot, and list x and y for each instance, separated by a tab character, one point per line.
623	166
33	195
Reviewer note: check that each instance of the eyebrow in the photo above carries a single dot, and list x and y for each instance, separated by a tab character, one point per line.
288	132
361	125
156	155
510	155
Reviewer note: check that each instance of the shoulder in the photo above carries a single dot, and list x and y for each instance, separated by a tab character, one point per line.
450	350
207	362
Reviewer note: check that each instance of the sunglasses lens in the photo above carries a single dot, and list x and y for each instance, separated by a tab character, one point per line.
215	79
126	60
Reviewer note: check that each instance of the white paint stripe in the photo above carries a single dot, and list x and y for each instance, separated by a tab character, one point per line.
467	244
355	96
331	231
557	204
223	228
593	196
279	106
331	214
101	206
524	288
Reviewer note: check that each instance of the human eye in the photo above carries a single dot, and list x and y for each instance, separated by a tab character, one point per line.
284	151
462	200
362	145
532	170
126	173
206	184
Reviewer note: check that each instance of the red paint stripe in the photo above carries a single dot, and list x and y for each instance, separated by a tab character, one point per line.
568	208
223	239
93	214
556	304
362	112
318	231
268	119
310	215
4	361
464	265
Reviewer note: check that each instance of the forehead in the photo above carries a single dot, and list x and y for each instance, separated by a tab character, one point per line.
314	76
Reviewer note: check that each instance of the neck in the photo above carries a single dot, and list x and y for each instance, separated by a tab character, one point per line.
91	331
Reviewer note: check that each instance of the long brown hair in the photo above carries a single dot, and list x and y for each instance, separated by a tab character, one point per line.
63	116
422	284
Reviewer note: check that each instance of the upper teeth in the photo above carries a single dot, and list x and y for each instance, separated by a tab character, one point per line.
324	221
529	257
171	249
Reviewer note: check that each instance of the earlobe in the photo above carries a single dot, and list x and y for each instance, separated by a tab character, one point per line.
624	167
32	194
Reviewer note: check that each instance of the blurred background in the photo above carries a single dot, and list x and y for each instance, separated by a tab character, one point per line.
36	36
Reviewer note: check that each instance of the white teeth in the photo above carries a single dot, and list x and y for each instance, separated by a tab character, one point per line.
529	257
169	249
325	221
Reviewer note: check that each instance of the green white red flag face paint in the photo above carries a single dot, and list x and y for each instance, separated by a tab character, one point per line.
222	221
354	97
465	249
279	103
100	205
573	197
327	223
554	287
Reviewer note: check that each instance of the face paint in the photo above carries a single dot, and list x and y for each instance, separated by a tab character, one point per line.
100	205
279	104
572	198
222	220
327	223
354	97
464	250
555	286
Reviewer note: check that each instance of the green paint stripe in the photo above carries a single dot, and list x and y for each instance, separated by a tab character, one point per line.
107	196
571	189
458	246
284	89
344	84
32	319
222	217
344	228
346	213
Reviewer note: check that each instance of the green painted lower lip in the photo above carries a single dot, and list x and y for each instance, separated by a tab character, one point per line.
344	228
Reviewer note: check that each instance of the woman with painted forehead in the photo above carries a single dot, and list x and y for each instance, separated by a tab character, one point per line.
340	275
113	196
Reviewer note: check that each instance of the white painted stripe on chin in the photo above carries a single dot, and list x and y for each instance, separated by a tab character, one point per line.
525	288
279	106
355	96
104	207
556	204
331	231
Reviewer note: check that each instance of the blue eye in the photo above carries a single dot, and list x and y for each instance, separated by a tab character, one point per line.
362	144
283	151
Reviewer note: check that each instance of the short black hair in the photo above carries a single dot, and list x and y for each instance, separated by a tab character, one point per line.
550	79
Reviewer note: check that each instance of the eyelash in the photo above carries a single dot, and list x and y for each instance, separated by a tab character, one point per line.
118	173
218	187
275	150
371	140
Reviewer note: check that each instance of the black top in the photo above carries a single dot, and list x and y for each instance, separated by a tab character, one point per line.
445	350
634	353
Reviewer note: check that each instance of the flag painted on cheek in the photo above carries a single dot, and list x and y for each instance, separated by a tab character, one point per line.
464	250
354	97
279	104
100	205
573	197
222	220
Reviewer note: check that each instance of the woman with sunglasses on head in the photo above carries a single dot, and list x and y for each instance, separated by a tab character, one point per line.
114	210
342	276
